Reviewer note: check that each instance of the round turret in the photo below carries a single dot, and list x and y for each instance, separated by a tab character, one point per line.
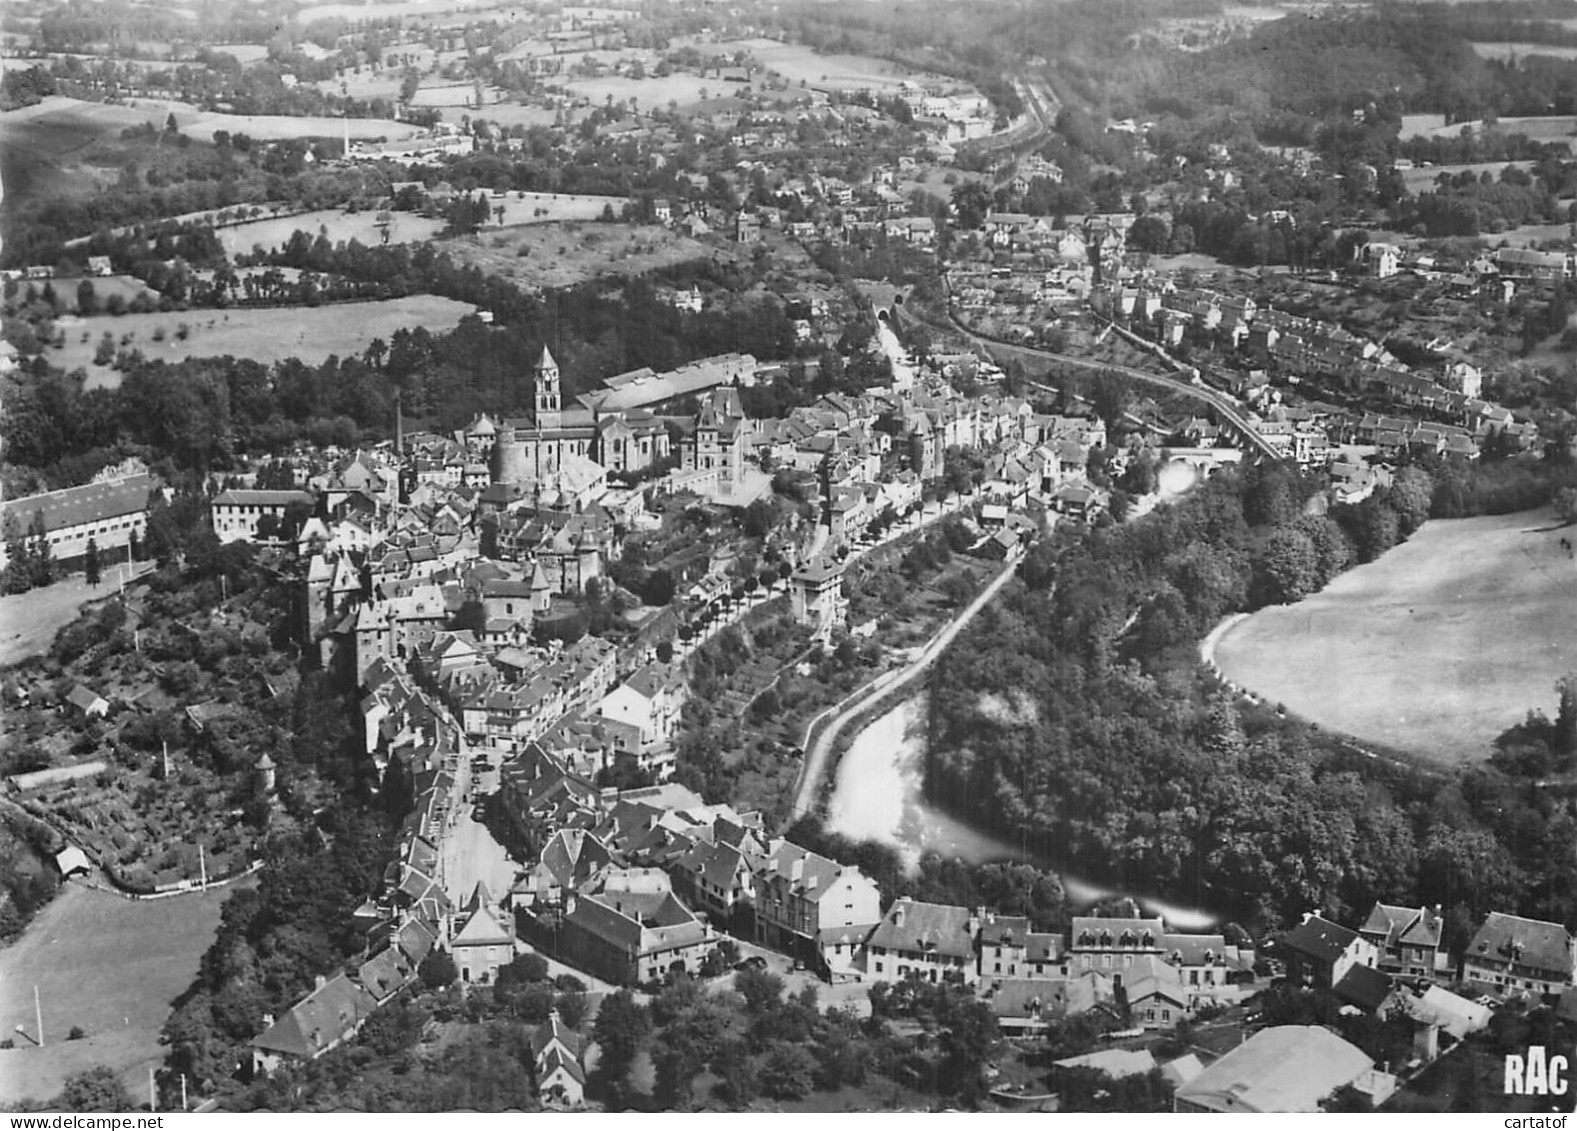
510	464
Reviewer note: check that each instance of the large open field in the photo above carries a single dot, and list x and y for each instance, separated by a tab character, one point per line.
685	89
30	621
1423	179
1549	128
58	112
562	255
1521	51
110	965
1437	648
267	334
338	226
800	63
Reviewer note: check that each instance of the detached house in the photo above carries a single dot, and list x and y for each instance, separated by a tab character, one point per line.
326	1018
1407	938
1511	954
1321	953
556	1052
485	942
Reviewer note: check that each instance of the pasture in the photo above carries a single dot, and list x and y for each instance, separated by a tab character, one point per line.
267	334
110	965
1436	648
83	122
563	255
798	63
338	226
1423	179
1521	51
683	89
398	9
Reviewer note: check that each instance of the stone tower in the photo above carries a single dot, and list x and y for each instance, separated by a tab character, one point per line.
549	406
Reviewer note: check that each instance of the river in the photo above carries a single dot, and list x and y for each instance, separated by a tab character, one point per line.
879	795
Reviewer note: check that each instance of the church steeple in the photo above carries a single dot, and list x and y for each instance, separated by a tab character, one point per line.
549	405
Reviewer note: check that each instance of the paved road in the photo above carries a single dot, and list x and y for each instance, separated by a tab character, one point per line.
815	758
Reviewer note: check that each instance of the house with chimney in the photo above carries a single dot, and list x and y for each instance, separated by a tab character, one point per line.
1011	951
484	943
799	894
326	1018
632	938
1113	946
1407	938
934	940
1323	954
1511	955
557	1053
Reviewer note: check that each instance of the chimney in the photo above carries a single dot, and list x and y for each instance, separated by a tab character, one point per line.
319	982
268	1020
898	915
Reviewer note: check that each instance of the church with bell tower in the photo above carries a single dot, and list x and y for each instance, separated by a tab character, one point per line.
550	393
543	448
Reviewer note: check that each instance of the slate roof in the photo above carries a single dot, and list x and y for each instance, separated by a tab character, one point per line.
74	506
1544	946
318	1021
1364	987
1319	939
1412	926
935	928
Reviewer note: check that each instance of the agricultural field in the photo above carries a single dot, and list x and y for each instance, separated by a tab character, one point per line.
686	90
508	114
268	334
1423	179
563	255
798	63
127	287
1436	648
339	226
108	965
1521	51
397	9
57	113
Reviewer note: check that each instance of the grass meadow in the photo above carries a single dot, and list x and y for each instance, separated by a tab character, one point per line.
1436	648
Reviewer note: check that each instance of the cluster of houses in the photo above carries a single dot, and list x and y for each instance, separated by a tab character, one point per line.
633	886
1452	418
1394	964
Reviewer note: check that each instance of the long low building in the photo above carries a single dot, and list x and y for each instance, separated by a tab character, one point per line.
107	513
236	513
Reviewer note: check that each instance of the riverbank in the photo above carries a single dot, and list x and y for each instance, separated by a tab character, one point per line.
879	795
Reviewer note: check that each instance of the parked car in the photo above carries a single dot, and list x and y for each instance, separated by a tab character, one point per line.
754	962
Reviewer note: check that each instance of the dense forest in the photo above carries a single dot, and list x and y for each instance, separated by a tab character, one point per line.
1127	759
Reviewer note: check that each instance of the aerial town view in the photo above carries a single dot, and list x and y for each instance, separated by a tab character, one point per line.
788	557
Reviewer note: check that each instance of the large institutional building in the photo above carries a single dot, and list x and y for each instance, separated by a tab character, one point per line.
108	513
